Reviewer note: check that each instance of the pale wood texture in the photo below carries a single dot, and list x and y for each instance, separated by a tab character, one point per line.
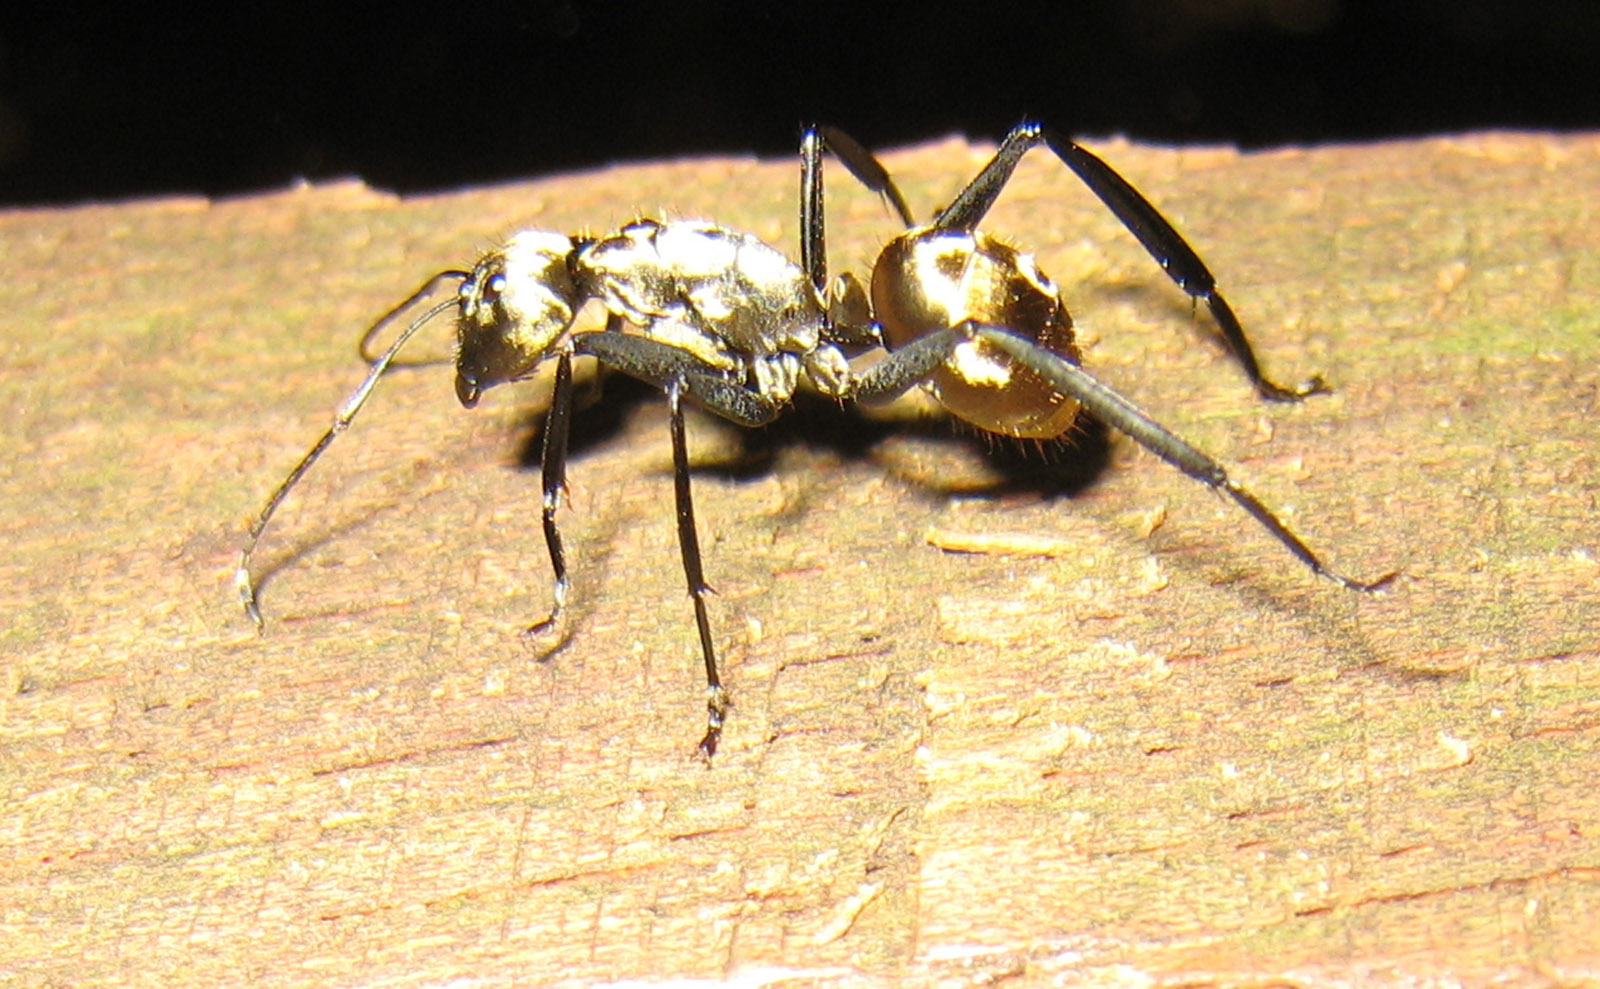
1129	741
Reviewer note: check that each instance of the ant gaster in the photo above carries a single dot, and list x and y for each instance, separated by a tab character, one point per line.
726	321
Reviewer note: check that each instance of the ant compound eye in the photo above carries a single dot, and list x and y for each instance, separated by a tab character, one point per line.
481	295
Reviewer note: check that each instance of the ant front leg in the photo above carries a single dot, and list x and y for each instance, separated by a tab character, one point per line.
859	162
553	478
680	373
553	474
662	364
1159	238
912	364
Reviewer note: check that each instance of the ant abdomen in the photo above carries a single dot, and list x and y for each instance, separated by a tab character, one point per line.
927	280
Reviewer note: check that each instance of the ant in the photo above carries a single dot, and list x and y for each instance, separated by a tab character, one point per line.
725	320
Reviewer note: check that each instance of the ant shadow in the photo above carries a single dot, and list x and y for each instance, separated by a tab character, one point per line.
1062	467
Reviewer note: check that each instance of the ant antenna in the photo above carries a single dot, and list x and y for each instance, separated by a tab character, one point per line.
341	422
427	289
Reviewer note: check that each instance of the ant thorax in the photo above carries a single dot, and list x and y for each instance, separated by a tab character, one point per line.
726	297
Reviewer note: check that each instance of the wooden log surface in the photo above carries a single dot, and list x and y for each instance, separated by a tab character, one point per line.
986	725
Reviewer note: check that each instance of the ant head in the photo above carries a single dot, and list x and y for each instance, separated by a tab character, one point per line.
515	307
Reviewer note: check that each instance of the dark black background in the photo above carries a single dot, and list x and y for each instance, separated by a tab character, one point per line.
106	102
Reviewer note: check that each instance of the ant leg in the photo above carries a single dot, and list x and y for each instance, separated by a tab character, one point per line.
553	468
679	372
1141	219
664	365
689	550
972	203
813	247
859	162
850	324
911	365
1112	408
905	368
